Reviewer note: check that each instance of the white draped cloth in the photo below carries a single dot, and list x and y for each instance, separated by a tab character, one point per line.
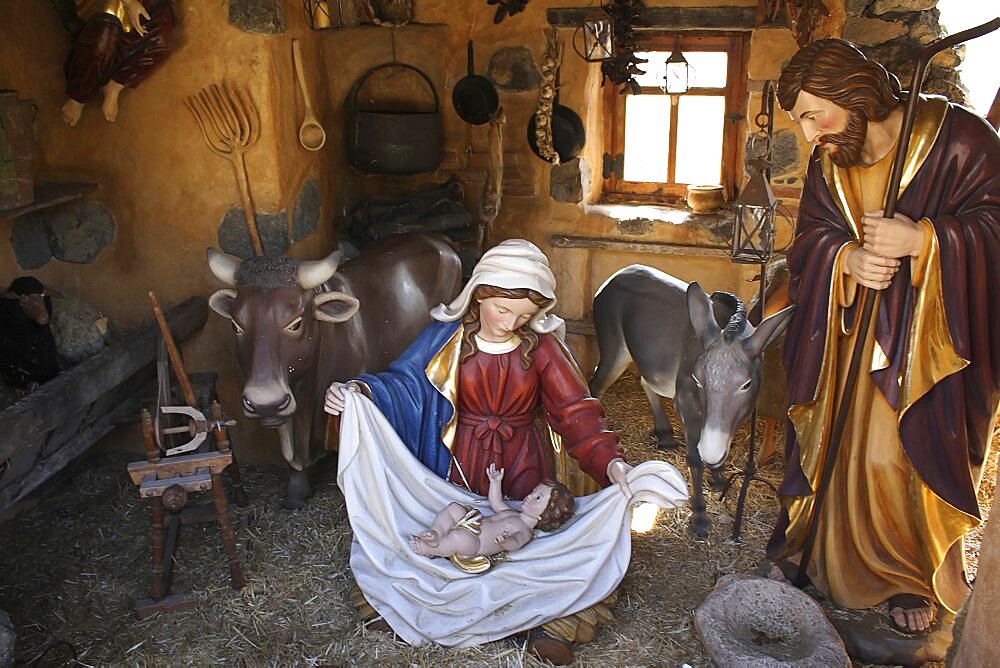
390	495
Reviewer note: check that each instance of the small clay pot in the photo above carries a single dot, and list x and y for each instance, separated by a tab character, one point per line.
705	198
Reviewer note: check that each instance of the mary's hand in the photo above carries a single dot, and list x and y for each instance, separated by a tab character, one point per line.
334	401
617	473
136	11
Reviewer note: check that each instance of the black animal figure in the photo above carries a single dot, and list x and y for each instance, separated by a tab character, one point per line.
27	348
698	350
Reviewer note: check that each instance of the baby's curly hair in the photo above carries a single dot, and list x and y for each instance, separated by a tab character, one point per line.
559	509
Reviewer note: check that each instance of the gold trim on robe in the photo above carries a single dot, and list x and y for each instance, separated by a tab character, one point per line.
88	9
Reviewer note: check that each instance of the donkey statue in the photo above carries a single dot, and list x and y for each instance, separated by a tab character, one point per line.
698	350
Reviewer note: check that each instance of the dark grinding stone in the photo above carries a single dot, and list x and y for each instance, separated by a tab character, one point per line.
512	69
265	17
82	233
305	217
784	152
235	239
566	181
29	237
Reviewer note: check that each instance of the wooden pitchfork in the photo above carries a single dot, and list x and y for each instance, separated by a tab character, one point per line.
230	125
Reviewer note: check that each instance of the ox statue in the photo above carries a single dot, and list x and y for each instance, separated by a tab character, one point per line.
302	325
698	350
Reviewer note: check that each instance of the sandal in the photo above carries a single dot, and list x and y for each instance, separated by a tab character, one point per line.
908	602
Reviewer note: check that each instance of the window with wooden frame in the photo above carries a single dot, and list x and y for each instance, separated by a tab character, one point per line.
657	144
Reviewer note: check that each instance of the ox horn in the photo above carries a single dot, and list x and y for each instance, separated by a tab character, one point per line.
317	272
223	266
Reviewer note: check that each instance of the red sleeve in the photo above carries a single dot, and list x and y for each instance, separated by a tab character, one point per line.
573	413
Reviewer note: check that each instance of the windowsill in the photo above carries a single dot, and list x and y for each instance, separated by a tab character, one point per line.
640	219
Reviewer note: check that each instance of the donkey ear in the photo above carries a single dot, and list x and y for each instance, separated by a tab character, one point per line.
770	329
700	312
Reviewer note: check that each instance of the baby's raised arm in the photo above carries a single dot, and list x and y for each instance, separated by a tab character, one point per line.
496	492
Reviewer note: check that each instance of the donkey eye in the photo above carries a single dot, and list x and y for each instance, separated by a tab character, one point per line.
236	327
696	381
746	386
294	325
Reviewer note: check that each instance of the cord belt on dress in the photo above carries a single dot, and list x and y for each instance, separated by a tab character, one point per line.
492	430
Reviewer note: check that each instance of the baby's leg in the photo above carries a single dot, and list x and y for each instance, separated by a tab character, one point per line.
444	521
456	541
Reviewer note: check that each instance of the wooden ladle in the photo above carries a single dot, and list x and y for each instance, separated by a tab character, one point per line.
312	136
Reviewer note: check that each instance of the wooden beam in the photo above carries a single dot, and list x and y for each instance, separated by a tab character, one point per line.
669	18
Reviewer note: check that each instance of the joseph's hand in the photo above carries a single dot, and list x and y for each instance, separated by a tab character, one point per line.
892	237
868	269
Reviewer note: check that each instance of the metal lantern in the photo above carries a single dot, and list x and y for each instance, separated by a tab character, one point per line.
676	79
598	37
753	230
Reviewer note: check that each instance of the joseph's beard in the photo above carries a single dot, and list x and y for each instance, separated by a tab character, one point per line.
849	142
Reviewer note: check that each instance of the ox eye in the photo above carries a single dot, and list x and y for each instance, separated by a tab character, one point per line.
746	386
294	325
236	327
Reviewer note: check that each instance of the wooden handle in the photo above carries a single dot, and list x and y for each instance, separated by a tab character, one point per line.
300	74
173	352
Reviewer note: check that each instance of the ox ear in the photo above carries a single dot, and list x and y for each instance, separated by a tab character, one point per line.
701	314
770	329
335	306
222	302
223	266
318	272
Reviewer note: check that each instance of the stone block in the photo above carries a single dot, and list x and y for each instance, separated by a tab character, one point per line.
856	7
887	6
869	32
784	152
567	181
265	17
78	234
29	238
512	69
234	238
305	215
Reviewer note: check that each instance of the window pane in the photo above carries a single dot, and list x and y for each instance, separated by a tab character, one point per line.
707	69
700	121
647	137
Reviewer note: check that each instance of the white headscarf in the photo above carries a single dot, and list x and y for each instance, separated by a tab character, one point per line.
511	264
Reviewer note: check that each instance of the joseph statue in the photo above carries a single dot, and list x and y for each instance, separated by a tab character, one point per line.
903	491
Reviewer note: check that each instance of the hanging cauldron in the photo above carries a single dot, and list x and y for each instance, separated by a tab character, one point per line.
393	137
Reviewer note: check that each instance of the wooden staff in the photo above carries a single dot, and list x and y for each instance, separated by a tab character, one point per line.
864	323
173	352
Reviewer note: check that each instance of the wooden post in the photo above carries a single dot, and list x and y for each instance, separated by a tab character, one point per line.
221	433
158	585
152	450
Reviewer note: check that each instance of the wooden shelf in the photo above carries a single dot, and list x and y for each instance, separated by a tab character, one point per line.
50	194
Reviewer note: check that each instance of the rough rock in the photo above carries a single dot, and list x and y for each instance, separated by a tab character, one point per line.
869	32
567	181
305	215
856	7
29	238
79	234
886	6
234	238
78	328
755	621
784	152
264	17
7	638
512	69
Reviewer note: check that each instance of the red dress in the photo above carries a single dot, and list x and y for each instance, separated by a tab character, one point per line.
498	400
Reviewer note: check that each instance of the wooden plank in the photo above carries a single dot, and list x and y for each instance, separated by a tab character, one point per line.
198	482
214	462
36	415
668	18
50	194
659	247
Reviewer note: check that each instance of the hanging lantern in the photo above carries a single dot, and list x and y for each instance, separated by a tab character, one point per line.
753	229
598	37
676	79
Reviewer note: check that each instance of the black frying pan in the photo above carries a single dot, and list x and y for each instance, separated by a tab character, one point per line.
474	97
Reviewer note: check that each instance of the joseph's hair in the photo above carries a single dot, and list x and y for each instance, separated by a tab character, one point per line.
560	507
836	70
529	339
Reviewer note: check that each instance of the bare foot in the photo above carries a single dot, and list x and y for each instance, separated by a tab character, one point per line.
110	104
71	111
912	613
430	537
418	545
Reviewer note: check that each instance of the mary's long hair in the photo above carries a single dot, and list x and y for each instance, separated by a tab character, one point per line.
529	338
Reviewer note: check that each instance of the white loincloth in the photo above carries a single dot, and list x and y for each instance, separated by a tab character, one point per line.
390	495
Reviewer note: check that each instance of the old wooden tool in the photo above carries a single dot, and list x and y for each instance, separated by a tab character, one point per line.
167	477
230	125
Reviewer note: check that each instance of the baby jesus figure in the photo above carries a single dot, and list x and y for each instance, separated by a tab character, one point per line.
462	531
